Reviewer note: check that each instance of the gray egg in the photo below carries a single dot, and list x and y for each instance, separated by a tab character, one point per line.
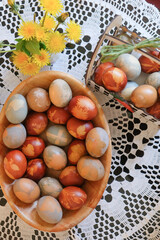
154	79
16	109
49	209
14	135
50	187
127	91
130	65
58	135
55	157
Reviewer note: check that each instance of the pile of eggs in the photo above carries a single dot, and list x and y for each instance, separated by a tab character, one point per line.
53	148
122	77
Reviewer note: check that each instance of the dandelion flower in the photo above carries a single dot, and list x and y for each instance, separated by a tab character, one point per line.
27	30
40	33
42	59
73	31
20	58
49	23
55	42
52	6
30	68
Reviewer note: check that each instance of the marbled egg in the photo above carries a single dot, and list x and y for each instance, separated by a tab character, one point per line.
127	91
129	64
14	135
50	187
49	209
38	99
26	190
58	115
97	142
79	128
60	93
58	135
16	109
154	79
76	150
70	177
55	157
90	168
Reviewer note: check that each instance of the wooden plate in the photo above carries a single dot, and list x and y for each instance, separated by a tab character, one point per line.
94	190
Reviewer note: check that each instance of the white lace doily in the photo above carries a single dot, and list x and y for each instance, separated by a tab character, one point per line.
130	206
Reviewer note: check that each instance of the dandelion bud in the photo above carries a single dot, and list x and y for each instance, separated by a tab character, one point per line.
11	2
63	17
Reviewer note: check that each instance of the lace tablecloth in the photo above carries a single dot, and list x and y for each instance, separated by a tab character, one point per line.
130	206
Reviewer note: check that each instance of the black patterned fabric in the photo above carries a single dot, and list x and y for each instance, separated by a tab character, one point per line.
130	206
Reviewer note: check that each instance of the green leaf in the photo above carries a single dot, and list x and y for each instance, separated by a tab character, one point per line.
24	49
20	44
32	46
18	39
42	45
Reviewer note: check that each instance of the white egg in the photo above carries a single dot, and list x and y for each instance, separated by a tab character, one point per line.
127	91
154	79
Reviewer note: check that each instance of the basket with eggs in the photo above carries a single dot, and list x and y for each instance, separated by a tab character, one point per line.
127	67
55	151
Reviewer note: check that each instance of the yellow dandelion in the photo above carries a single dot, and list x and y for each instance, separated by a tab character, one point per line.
52	6
74	31
41	59
55	42
49	23
20	58
30	68
40	33
27	30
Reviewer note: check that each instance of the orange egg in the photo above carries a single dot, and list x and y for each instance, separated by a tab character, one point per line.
82	107
76	150
144	96
79	128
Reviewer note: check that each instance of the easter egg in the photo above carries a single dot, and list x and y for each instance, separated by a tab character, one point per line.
154	79
26	190
148	65
15	164
90	168
97	142
72	198
129	65
50	187
100	70
49	209
50	172
70	177
154	110
60	93
35	169
55	157
33	146
16	109
58	135
127	91
114	79
58	115
38	99
76	150
36	123
79	128
82	107
14	135
144	96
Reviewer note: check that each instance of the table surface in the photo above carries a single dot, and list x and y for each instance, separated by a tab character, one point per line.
130	206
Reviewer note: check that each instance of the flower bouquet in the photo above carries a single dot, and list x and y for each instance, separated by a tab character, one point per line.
39	39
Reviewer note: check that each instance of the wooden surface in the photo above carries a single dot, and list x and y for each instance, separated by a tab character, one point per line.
94	190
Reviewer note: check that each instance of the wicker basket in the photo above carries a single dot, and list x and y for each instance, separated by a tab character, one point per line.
109	37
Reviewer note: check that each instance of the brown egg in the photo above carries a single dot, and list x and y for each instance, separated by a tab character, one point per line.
49	209
70	177
36	169
58	115
79	128
38	99
36	123
144	96
72	198
155	109
159	91
26	190
90	168
50	187
76	150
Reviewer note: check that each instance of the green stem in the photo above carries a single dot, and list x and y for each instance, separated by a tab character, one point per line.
19	16
44	18
56	27
6	51
7	45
